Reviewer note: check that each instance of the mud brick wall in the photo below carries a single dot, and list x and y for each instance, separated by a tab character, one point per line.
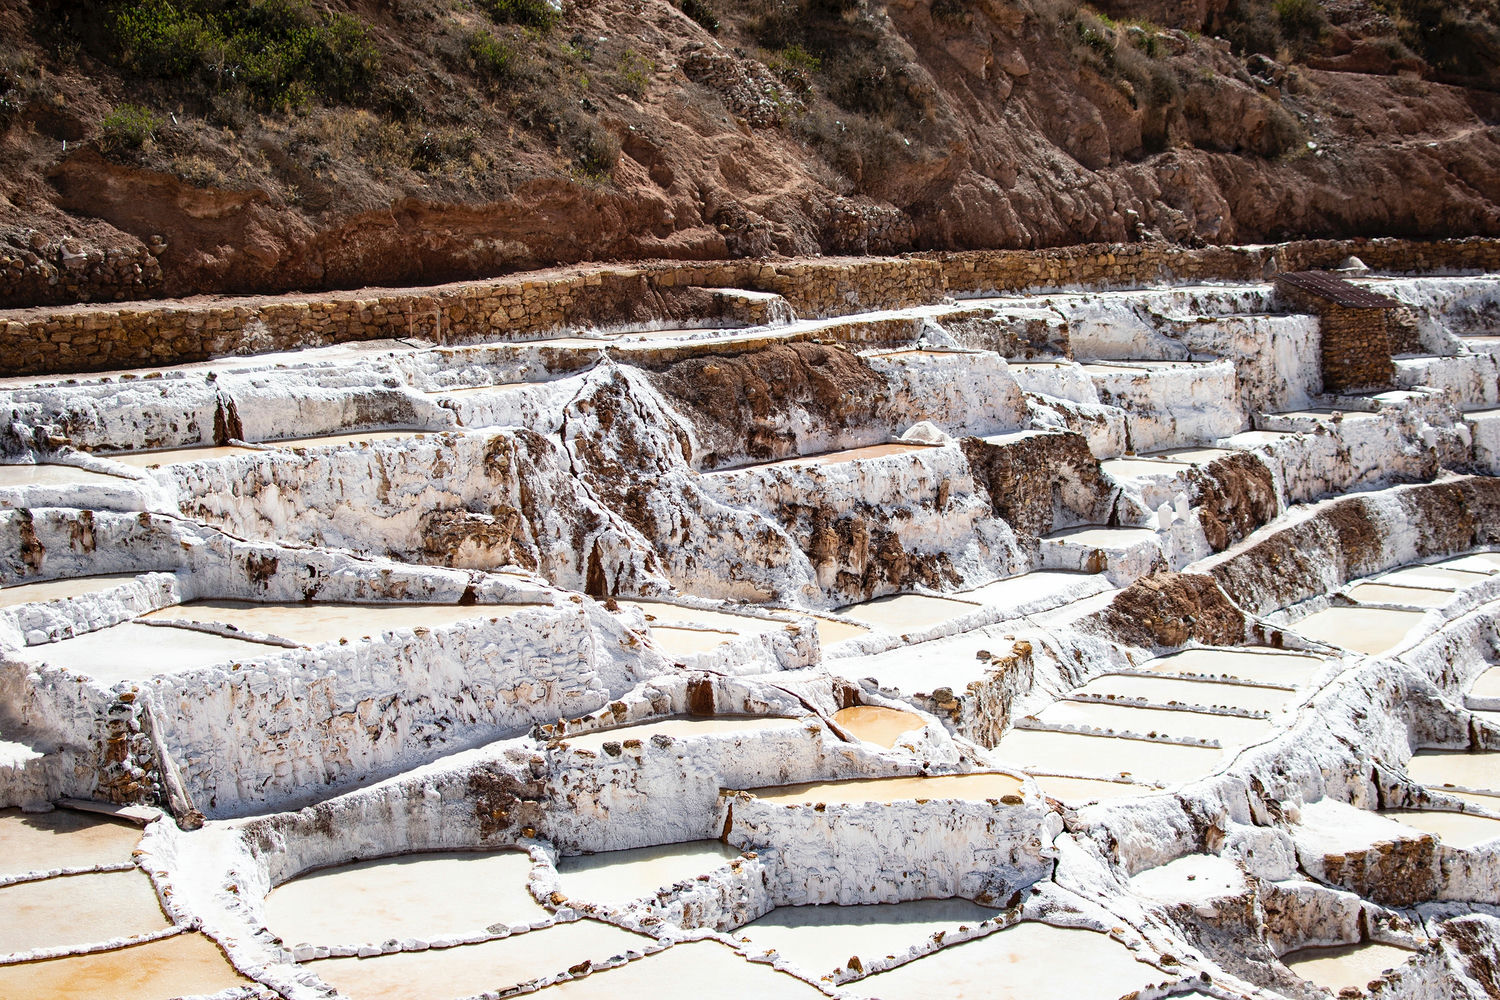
1356	351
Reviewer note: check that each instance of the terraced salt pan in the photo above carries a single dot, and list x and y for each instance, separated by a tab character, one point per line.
1193	456
1385	593
56	590
414	895
35	842
1344	966
835	457
683	728
907	612
660	613
1488	684
1102	537
1434	577
1229	730
1169	690
491	967
180	965
1476	562
131	651
874	724
313	623
673	641
1487	802
617	877
831	631
1077	791
1262	667
1019	963
1029	588
1452	828
471	390
820	939
964	787
1134	468
54	475
72	910
1363	630
696	969
175	456
1478	772
346	440
1106	756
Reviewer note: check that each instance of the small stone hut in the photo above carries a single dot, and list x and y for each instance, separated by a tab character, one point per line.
1355	327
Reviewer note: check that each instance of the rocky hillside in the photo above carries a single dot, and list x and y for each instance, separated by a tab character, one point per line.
169	147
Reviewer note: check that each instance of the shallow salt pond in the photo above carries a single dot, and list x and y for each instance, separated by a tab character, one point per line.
470	390
1136	468
1264	667
834	457
47	474
675	641
964	787
1076	791
1102	537
1229	730
1435	577
176	456
37	842
660	613
1476	562
618	877
78	909
56	590
874	724
1363	630
699	969
1386	593
1487	685
907	612
1194	456
412	895
1454	829
682	728
820	939
494	966
1437	768
1165	690
1350	965
346	440
313	623
181	965
1106	756
1023	962
131	651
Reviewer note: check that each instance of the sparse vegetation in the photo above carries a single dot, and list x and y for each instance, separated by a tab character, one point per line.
526	13
700	11
127	128
635	73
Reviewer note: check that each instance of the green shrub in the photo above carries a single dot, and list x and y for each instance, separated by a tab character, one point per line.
493	56
1300	19
527	13
700	11
635	73
127	128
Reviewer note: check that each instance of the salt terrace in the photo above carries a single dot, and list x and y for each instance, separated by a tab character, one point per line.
934	637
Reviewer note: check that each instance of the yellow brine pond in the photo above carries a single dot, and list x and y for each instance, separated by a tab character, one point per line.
62	839
56	590
180	965
1463	830
616	877
907	612
820	939
72	910
1478	772
177	456
56	475
874	724
1345	966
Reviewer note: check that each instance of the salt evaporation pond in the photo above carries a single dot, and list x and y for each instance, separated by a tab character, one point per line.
617	877
56	590
852	454
346	440
1170	690
1023	962
1257	666
695	969
472	390
1363	630
874	724
1081	755
1140	468
1463	830
412	895
1386	593
1479	772
314	623
176	456
682	727
1077	791
72	910
907	612
1478	562
820	939
1101	537
62	839
673	640
47	474
980	787
1228	730
1488	684
180	965
1344	966
1435	577
490	967
131	651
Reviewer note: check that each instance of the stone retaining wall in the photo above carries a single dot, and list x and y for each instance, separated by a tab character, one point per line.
519	307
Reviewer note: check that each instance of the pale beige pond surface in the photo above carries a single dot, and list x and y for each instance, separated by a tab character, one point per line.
1363	630
675	641
1454	829
443	974
1261	666
350	439
1487	685
854	454
1478	562
1076	791
659	613
412	895
1135	468
617	877
54	590
470	390
1229	730
682	728
1386	593
820	939
78	909
874	724
1195	456
1102	538
831	631
1351	965
965	787
133	652
55	475
900	613
36	842
1476	771
1166	690
1107	757
1489	802
181	965
326	622
697	969
1439	577
1028	961
176	456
